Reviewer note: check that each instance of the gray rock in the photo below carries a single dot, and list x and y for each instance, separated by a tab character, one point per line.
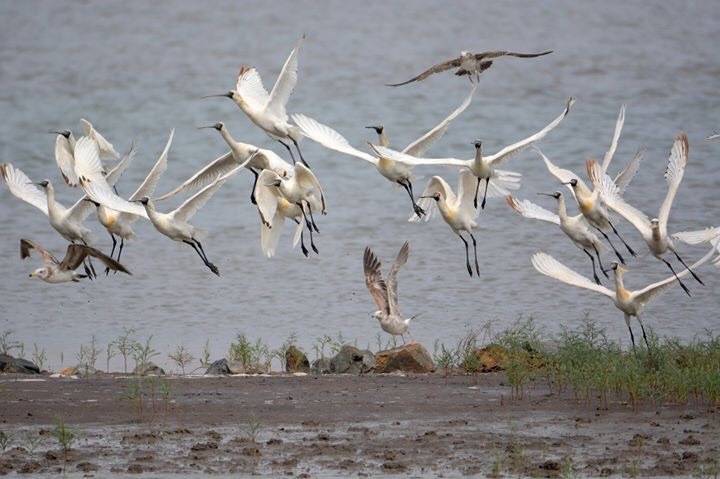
9	364
218	367
149	369
321	366
351	360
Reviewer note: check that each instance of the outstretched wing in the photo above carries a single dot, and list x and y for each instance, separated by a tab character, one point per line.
400	261
374	282
310	184
21	187
421	145
285	84
65	160
563	175
467	184
674	175
549	266
207	174
698	236
190	206
106	148
510	150
147	187
329	138
616	137
502	53
436	184
528	209
440	67
623	179
394	155
250	87
76	254
27	247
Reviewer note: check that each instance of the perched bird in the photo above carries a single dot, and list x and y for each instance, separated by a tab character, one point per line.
653	231
175	224
267	111
63	271
384	293
273	209
631	303
575	227
457	211
396	167
469	64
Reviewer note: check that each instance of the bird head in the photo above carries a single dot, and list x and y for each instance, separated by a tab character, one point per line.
477	144
41	273
557	195
143	201
654	223
217	126
378	128
43	184
65	133
465	53
572	182
377	315
617	267
435	196
93	202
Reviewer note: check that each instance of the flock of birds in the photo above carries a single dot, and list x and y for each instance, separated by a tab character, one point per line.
285	190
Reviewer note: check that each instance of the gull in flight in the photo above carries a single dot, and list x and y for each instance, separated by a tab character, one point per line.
654	231
267	111
395	166
384	293
457	211
575	227
630	302
303	190
63	271
175	224
497	182
590	202
239	152
273	205
470	64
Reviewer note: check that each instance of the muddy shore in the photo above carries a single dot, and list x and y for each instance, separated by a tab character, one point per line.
424	425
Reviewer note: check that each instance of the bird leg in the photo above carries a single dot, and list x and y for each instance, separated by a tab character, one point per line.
630	250
688	268
467	254
289	150
644	335
477	268
602	268
112	236
309	228
299	152
595	276
477	190
617	253
312	220
632	337
195	244
408	187
487	183
88	262
302	244
682	285
252	193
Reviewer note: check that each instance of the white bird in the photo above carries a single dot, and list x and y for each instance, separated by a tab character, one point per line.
395	166
457	211
714	136
485	167
626	175
175	224
268	111
654	231
273	209
64	147
589	202
263	159
631	303
63	271
575	227
302	189
707	235
107	150
384	293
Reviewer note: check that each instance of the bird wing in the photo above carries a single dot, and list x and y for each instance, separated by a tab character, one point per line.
440	67
27	247
698	236
101	192
207	174
647	293
270	235
674	175
76	254
436	184
190	206
465	199
265	196
309	183
421	145
87	159
528	209
106	148
616	137
65	160
507	152
549	266
113	176
400	261
410	160
560	173
147	187
374	282
21	187
503	53
250	87
329	138
285	84
623	179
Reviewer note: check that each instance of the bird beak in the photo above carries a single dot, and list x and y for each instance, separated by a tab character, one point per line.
547	194
426	197
226	95
56	132
31	275
567	183
207	126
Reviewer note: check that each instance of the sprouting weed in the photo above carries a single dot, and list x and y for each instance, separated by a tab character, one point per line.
31	439
252	428
39	357
64	436
110	352
5	440
443	357
87	356
7	344
181	357
124	344
142	353
205	359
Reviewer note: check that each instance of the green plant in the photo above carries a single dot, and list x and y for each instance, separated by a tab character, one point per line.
7	344
252	428
165	393
133	392
64	436
142	353
5	440
205	359
87	357
320	344
254	357
443	357
31	440
181	357
39	357
124	344
567	469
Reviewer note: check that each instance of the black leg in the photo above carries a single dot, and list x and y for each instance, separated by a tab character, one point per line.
467	254
477	267
682	285
299	152
289	150
688	268
302	243
416	208
630	250
602	268
595	276
644	335
477	190
617	253
312	220
309	228
487	183
201	253
112	236
252	193
632	337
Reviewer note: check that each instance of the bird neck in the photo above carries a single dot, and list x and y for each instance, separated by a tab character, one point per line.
562	209
619	285
478	154
656	232
53	207
383	139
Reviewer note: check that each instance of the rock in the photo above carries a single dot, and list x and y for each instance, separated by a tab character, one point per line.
9	364
148	369
238	367
321	366
296	361
219	367
87	467
489	359
68	372
351	360
411	358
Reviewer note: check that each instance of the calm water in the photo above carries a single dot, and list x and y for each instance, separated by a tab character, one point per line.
137	69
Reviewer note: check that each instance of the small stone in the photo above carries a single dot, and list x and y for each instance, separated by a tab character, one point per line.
489	359
410	358
29	467
251	451
218	368
296	360
321	366
148	369
351	360
689	456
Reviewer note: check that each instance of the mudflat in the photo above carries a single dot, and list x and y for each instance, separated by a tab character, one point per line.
371	425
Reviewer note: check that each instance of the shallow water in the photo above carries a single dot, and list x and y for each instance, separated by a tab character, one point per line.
137	69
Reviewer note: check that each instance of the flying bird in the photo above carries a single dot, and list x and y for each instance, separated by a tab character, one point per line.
470	64
384	292
55	271
267	111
